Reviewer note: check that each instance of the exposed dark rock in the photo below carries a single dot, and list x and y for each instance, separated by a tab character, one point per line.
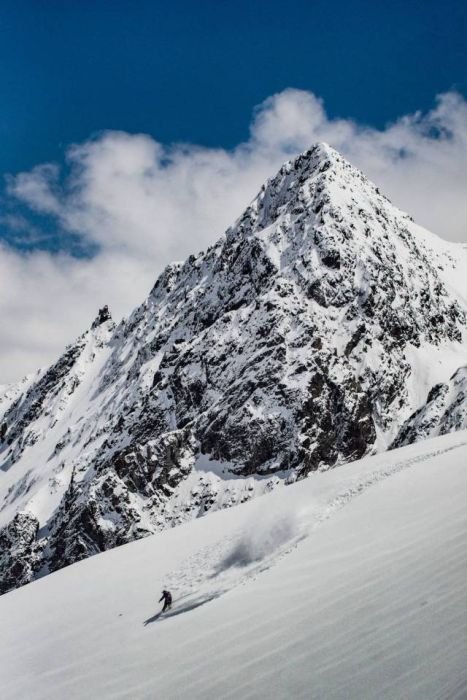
102	317
19	551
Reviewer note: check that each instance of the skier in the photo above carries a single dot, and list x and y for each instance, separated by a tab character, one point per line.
167	598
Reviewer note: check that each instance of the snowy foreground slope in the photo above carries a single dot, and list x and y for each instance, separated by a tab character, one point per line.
349	585
309	335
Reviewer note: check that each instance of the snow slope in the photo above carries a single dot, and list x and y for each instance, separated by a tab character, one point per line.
348	585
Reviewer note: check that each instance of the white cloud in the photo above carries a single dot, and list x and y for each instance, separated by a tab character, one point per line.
37	187
145	204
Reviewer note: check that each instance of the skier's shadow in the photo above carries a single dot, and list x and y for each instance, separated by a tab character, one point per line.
184	607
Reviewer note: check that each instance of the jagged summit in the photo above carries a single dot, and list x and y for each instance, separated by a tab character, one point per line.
302	339
313	176
102	316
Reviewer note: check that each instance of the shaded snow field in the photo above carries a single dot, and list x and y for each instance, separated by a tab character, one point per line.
350	585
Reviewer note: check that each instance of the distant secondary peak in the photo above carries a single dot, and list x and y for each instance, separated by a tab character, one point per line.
103	316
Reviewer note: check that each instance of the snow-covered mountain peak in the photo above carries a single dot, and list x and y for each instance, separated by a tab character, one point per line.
302	339
310	181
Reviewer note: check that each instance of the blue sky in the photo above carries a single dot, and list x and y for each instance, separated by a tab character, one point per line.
193	71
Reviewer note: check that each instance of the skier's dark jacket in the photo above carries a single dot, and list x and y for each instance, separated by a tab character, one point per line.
166	597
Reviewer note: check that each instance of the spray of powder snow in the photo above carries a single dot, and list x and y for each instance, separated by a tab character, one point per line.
265	535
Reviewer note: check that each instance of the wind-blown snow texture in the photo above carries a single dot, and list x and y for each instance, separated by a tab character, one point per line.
349	585
306	337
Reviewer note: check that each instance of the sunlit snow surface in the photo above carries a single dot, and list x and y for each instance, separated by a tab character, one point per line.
349	585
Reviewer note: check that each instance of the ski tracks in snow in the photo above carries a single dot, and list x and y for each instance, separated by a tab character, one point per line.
267	537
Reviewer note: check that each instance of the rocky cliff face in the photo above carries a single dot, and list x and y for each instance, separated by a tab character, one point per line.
444	411
303	339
